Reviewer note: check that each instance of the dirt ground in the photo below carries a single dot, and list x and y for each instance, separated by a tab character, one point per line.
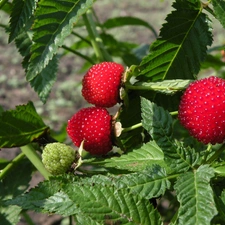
14	90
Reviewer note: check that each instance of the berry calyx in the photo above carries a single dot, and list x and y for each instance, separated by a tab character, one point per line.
101	84
202	110
93	125
58	158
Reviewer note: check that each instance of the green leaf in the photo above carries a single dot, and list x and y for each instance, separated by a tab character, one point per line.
150	183
127	20
129	116
165	87
195	195
54	21
37	197
223	197
138	158
1	110
23	44
10	215
220	203
61	203
88	201
158	123
6	7
114	206
22	11
21	126
181	46
219	8
220	170
15	183
43	83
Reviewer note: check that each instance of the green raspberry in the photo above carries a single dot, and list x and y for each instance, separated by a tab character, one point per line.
58	158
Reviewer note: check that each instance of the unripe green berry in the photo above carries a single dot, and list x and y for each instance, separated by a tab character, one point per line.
58	158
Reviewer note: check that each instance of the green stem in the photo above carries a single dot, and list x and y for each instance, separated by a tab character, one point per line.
216	155
70	220
32	155
96	41
3	26
82	38
174	113
11	165
29	221
140	124
79	54
132	127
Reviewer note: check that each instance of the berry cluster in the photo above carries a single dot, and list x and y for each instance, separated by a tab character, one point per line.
93	125
202	110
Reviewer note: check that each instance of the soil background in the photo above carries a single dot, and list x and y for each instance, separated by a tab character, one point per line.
65	98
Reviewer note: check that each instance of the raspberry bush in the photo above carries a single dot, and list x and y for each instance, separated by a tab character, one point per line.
148	147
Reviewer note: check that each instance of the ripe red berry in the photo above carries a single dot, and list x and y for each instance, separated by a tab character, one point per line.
202	110
101	84
93	125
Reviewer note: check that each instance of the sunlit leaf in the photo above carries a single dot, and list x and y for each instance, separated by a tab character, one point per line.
21	126
158	122
54	21
21	13
181	46
138	158
93	202
195	195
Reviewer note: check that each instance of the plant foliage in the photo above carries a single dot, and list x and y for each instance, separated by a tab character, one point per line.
155	162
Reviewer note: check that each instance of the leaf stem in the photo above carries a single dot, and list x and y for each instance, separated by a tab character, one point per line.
82	38
78	53
32	155
174	113
132	127
140	124
11	165
3	26
96	41
215	155
28	219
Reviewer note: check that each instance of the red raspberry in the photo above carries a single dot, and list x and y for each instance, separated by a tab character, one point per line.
93	125
202	110
101	84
